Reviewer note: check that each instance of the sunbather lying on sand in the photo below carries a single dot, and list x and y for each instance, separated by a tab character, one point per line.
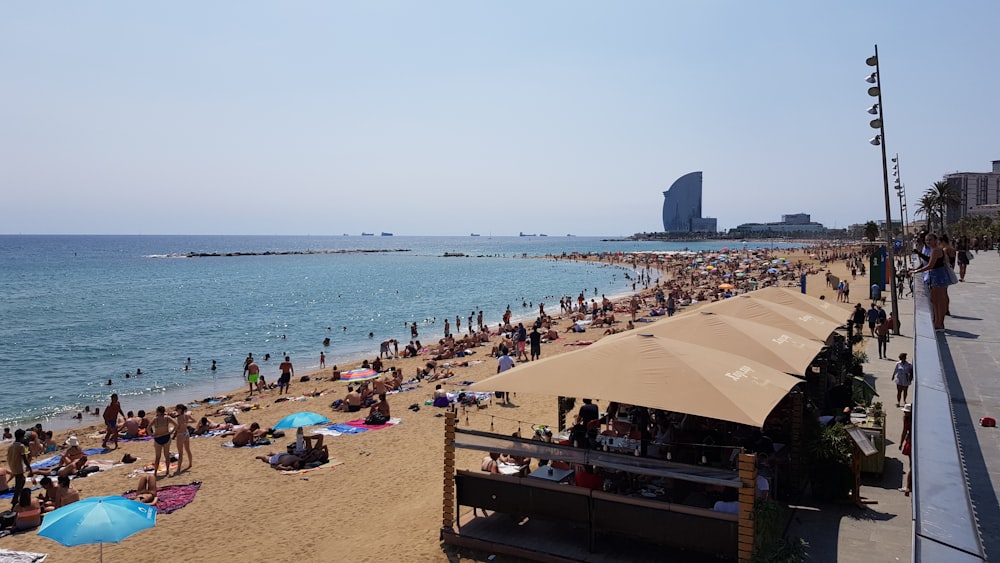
244	436
146	491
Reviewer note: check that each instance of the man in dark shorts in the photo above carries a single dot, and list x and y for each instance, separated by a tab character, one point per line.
111	414
536	344
287	371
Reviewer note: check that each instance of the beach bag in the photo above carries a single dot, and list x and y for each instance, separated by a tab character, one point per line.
376	419
906	447
952	276
988	422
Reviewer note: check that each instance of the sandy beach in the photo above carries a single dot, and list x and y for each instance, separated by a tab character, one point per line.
381	503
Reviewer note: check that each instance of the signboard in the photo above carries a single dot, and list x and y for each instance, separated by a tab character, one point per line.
861	440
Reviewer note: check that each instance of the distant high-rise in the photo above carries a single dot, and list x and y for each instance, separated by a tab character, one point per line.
682	206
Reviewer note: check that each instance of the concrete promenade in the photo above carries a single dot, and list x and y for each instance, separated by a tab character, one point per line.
881	532
970	357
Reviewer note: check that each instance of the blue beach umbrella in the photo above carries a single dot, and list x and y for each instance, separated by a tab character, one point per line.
97	520
772	270
304	418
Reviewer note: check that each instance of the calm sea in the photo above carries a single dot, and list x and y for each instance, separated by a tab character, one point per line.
79	311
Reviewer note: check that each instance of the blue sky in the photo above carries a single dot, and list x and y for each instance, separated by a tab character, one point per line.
444	118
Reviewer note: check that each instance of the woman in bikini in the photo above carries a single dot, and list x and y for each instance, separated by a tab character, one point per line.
160	428
182	434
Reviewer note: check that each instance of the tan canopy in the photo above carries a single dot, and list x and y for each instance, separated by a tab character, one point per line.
797	300
728	360
772	346
791	319
639	368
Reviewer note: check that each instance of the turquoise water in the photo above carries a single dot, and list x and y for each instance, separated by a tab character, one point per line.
80	310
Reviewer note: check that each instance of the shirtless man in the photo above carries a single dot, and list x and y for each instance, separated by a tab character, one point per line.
352	402
253	375
49	500
111	414
67	494
287	371
381	406
131	425
245	436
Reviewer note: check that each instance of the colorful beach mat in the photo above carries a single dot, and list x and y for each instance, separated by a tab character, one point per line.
53	461
171	497
359	374
354	427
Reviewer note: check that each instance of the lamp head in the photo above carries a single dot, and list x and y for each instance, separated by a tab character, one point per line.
872	61
873	110
874	91
876	140
871	78
875	123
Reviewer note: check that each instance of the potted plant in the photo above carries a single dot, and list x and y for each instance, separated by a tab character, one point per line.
828	452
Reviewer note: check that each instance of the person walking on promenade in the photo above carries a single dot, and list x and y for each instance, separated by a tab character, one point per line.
906	446
882	332
902	376
872	319
964	256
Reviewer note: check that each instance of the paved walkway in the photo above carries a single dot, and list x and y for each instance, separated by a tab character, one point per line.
970	354
881	532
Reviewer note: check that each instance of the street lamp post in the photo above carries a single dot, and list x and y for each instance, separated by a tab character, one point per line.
901	192
879	123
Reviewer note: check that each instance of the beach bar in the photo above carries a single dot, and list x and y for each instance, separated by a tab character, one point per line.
673	463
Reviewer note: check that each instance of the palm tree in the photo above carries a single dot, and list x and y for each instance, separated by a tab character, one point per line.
871	231
941	195
927	206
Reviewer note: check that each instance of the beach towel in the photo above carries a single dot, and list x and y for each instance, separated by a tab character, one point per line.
210	434
360	423
331	463
11	494
339	430
256	444
580	343
171	497
7	556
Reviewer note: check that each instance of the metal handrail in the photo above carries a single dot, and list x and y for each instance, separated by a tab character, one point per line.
945	527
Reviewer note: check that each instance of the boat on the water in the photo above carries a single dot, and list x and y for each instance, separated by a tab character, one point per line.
385	234
542	235
367	234
523	234
473	234
454	254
